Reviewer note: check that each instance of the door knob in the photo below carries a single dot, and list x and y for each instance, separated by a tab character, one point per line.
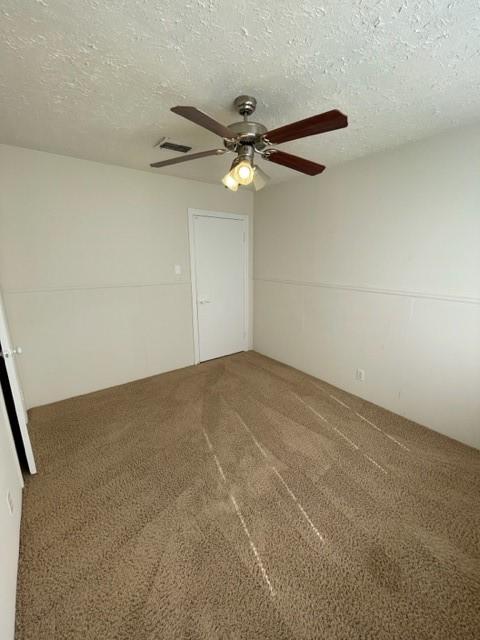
14	352
204	301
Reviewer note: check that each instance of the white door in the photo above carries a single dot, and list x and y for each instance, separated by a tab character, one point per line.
9	353
219	275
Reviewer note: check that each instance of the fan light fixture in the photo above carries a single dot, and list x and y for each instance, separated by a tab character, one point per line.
260	179
243	172
230	182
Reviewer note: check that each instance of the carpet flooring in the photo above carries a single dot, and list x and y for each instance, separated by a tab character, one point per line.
244	499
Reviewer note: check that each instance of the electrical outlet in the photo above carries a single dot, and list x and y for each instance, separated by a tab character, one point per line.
178	270
360	375
10	502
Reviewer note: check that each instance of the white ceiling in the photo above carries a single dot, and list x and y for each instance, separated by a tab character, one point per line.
95	79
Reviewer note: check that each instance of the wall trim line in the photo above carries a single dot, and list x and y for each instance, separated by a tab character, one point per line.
131	285
374	290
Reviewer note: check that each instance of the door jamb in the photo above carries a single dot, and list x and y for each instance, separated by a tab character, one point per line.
246	247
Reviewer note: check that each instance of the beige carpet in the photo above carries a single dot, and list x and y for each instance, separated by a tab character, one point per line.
244	499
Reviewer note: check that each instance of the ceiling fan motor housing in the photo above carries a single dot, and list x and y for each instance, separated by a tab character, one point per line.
246	133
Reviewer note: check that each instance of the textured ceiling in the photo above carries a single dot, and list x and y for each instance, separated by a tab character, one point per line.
95	79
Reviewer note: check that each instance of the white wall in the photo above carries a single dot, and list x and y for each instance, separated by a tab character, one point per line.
376	265
10	481
87	255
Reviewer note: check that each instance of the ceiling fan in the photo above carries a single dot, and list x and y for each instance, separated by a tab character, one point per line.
247	138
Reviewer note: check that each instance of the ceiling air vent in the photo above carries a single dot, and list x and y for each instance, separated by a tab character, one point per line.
173	146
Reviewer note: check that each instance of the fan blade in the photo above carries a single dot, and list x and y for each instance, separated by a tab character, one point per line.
204	120
293	162
328	121
190	156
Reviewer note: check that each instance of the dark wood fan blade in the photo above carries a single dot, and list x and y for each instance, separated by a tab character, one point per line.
204	120
328	121
294	162
190	156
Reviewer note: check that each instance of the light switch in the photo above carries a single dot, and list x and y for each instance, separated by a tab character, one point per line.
178	270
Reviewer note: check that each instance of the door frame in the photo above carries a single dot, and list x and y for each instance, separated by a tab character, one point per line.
8	353
193	275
